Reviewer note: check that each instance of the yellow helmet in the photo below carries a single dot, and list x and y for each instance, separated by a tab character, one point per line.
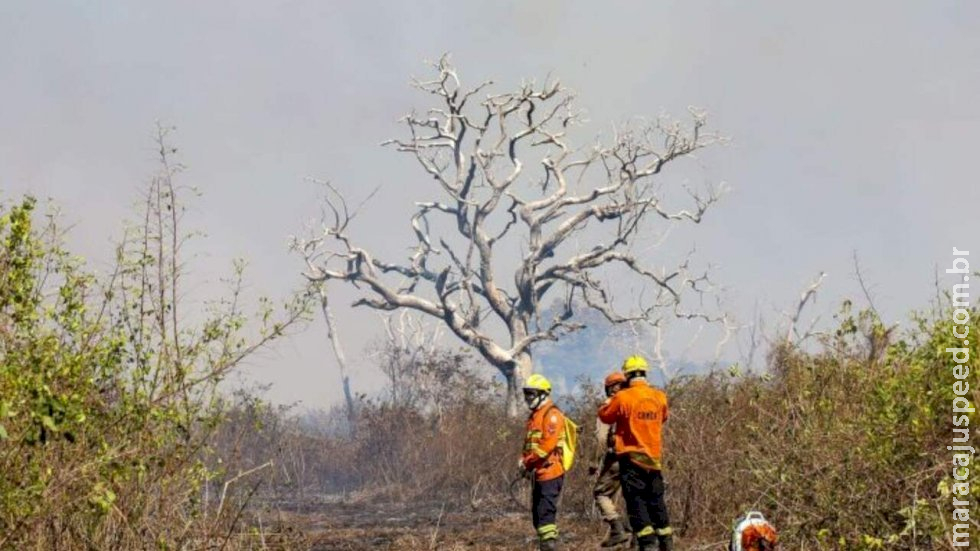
537	382
634	363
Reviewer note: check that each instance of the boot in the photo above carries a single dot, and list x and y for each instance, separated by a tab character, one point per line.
617	534
667	543
548	545
648	543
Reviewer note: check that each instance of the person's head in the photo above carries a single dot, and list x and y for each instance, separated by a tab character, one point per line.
634	367
537	388
614	382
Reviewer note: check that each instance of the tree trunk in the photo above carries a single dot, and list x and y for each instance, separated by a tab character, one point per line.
349	400
520	371
338	351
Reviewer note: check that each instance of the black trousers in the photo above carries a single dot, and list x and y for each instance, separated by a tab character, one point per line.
643	491
544	506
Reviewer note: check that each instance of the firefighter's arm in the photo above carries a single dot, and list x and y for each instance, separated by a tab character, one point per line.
608	410
531	459
537	448
602	431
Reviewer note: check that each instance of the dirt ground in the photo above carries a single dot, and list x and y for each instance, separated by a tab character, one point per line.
431	526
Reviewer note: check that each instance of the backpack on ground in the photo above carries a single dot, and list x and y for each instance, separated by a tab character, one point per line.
753	533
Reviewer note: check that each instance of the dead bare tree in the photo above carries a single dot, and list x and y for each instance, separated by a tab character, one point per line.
794	318
552	212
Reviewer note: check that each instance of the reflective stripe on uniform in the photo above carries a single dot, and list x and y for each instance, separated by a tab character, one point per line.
547	532
538	451
531	441
645	461
665	531
647	531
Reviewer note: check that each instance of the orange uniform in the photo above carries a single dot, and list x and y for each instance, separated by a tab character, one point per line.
639	413
541	451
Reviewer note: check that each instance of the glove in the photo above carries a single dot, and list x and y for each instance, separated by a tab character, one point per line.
521	468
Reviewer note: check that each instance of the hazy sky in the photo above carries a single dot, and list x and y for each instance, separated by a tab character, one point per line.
854	127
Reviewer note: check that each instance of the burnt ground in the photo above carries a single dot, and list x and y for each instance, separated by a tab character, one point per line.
429	526
433	526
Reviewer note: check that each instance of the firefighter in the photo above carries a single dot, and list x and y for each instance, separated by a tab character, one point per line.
542	458
607	485
638	413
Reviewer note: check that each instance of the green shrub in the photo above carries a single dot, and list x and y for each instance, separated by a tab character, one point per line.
108	396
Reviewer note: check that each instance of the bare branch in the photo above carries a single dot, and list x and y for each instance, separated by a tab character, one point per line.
805	297
864	288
